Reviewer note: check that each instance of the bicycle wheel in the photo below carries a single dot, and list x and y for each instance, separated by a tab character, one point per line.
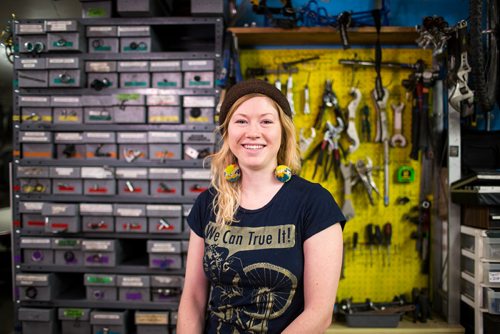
484	18
277	289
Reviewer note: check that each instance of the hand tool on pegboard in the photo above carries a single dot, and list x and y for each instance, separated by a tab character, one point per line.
307	103
370	240
387	229
347	207
398	139
383	134
364	174
352	107
461	96
329	100
306	141
355	237
419	83
366	128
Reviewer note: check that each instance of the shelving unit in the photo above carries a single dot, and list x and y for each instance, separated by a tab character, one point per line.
472	273
44	284
253	36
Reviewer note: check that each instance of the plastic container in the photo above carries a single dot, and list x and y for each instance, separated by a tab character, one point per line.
492	248
491	274
493	301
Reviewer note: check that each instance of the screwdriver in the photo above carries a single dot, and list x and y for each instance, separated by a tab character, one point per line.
354	244
379	239
370	237
387	237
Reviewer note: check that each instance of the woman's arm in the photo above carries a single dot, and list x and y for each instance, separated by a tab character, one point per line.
322	264
191	316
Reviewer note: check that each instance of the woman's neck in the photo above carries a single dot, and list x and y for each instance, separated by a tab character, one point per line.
258	188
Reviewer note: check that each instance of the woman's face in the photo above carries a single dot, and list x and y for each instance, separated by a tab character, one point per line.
254	134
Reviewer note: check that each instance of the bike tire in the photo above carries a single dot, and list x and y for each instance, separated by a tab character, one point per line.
484	55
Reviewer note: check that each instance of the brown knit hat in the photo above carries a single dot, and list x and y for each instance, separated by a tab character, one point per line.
250	87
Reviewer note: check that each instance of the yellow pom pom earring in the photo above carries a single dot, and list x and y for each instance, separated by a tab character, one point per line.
232	173
283	173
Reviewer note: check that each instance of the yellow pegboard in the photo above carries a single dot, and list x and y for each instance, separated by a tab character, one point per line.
380	281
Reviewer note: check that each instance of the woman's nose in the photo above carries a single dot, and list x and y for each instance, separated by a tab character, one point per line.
253	131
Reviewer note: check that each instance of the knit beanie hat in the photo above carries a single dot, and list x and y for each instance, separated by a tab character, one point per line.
250	87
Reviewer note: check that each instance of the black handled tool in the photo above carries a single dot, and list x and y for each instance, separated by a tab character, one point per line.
370	237
387	238
354	243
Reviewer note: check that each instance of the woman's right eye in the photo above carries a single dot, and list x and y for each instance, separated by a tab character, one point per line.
240	121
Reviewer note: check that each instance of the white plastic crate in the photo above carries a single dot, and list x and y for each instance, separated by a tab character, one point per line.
492	248
493	301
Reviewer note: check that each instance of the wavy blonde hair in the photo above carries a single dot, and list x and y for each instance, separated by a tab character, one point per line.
227	197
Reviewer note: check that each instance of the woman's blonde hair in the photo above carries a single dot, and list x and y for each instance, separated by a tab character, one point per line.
227	196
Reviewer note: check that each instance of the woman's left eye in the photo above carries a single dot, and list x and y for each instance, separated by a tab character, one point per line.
267	121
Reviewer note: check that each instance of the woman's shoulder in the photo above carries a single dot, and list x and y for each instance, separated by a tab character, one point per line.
301	184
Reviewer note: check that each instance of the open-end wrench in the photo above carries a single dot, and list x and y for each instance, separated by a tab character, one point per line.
351	125
380	107
397	139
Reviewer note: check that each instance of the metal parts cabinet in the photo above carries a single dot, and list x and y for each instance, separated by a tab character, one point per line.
112	120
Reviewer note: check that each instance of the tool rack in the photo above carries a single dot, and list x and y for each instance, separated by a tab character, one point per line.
75	170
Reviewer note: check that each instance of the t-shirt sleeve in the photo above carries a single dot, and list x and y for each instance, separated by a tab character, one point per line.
322	212
198	215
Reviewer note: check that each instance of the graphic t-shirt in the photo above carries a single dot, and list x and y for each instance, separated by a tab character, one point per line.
255	266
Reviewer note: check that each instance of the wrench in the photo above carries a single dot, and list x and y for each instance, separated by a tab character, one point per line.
384	137
380	107
351	125
397	139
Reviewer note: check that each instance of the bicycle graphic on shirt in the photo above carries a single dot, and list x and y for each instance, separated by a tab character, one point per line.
276	288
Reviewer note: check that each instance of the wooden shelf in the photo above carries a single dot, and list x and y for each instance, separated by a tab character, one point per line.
433	326
322	36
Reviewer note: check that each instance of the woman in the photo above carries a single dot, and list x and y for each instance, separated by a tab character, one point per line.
265	248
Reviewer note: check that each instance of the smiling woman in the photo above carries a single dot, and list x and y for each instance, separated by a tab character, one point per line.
266	245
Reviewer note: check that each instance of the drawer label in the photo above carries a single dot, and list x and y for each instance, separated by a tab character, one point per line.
494	277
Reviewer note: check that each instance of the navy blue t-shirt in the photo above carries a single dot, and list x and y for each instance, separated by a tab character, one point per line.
255	266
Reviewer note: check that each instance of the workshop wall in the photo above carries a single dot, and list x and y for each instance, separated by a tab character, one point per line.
374	274
402	12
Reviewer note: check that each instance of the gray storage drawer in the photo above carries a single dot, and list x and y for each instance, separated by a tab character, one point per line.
37	287
103	44
37	320
65	78
68	115
67	252
75	320
65	41
32	79
36	115
37	251
100	287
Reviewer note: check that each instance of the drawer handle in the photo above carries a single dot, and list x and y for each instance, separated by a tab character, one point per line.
65	78
31	292
61	42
